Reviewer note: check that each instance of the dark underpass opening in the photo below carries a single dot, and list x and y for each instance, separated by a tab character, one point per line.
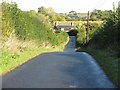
73	32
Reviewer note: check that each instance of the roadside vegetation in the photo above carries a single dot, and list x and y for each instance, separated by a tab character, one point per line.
104	43
96	15
26	34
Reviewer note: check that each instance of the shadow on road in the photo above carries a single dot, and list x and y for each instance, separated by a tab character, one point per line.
68	69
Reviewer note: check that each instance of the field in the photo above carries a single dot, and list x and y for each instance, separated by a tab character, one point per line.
76	22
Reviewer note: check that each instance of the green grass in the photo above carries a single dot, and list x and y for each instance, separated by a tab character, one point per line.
12	59
76	22
26	34
107	60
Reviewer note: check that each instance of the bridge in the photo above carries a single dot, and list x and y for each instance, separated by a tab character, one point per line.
70	29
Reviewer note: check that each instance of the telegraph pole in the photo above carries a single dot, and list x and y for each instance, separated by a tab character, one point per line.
87	28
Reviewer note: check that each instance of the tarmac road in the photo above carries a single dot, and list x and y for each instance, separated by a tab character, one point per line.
68	69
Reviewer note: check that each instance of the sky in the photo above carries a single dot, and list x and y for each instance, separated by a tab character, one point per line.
65	6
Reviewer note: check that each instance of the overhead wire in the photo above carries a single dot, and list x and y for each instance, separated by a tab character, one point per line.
102	4
99	4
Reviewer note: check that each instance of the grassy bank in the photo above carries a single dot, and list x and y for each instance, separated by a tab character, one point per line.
107	60
104	44
26	34
12	59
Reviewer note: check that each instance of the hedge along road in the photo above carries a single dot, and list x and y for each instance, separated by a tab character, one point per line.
68	69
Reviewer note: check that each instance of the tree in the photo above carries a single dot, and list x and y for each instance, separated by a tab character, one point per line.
47	12
42	10
59	17
100	15
73	12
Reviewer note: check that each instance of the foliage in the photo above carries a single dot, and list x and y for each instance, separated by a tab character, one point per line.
11	59
29	25
72	18
8	23
96	15
81	36
72	12
60	17
27	34
51	14
105	35
107	60
108	35
100	15
104	44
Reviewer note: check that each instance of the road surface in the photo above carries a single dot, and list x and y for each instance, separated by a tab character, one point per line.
68	69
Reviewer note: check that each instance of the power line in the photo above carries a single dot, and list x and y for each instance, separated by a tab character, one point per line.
102	4
99	4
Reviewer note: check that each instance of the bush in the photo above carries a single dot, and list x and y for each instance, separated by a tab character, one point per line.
81	36
93	29
108	35
28	25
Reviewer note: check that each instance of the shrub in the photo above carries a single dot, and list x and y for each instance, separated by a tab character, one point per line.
28	25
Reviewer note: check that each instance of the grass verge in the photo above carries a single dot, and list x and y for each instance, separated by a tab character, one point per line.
107	60
13	59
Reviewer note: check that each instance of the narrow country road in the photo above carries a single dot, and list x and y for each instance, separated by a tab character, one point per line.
68	69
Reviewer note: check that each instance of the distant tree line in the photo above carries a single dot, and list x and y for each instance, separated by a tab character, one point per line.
96	15
100	15
51	14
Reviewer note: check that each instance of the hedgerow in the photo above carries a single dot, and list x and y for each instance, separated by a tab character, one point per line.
28	25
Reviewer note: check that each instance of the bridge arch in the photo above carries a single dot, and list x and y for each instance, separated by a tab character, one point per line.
73	32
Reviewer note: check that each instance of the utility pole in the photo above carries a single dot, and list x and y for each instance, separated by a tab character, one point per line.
87	29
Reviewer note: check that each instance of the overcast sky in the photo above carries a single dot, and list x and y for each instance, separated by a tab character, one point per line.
64	6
